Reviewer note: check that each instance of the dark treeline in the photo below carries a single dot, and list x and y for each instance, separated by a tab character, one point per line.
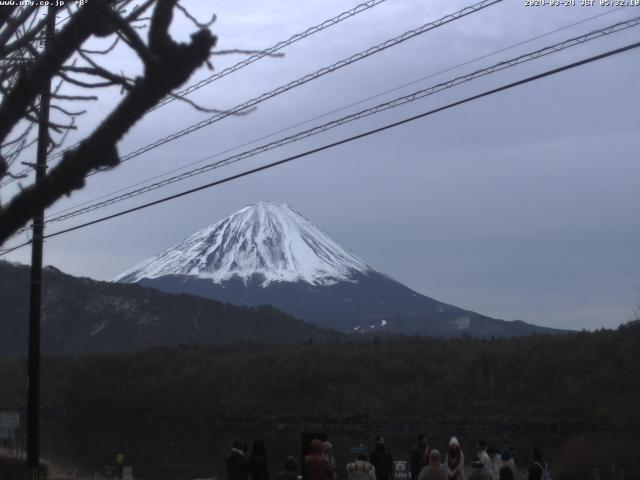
593	378
589	376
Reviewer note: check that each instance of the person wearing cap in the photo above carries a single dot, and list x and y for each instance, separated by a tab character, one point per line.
435	470
455	460
506	456
478	470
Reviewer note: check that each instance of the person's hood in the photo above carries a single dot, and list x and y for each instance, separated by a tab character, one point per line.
236	450
454	441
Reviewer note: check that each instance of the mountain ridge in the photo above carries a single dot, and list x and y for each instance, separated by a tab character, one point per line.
81	315
270	239
270	254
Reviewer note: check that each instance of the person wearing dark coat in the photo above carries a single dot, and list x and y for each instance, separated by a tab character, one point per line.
539	468
382	460
290	470
420	451
237	465
316	465
258	461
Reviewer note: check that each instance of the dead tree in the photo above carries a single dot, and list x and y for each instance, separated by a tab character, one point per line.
66	60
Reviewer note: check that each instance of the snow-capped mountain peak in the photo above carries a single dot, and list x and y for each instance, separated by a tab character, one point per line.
269	240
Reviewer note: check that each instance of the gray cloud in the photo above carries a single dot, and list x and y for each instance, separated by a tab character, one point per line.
521	205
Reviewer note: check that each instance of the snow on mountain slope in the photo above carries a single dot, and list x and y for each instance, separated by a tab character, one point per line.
270	240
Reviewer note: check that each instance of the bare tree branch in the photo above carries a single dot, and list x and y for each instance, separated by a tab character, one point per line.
195	20
100	52
81	26
13	24
170	65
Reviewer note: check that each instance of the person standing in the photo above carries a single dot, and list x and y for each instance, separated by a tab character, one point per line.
433	471
494	462
316	465
381	459
361	469
327	448
539	470
237	465
420	450
258	461
506	456
455	460
484	456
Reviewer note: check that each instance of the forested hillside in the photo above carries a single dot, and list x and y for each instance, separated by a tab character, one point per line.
591	376
81	315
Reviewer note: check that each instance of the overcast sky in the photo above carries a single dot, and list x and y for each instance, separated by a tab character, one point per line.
521	205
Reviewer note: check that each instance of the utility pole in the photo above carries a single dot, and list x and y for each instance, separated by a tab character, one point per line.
33	400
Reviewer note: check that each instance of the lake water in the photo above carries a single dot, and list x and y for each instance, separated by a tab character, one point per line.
191	449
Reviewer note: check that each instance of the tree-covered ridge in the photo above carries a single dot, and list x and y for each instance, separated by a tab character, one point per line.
81	315
593	377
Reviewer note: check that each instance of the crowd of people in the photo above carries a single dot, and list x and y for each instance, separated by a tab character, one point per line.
425	462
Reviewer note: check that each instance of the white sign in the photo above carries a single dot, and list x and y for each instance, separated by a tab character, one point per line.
401	470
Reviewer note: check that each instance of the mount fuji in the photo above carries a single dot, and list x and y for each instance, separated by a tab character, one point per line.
269	253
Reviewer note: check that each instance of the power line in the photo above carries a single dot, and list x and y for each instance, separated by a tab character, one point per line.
240	65
271	50
243	107
326	114
552	49
487	93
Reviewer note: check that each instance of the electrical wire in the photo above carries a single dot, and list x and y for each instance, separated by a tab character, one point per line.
343	141
271	50
340	109
524	58
249	104
240	65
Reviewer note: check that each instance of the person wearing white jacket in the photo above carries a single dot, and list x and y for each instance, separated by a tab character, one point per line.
361	469
454	460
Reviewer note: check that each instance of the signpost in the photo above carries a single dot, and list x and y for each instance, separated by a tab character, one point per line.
401	470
